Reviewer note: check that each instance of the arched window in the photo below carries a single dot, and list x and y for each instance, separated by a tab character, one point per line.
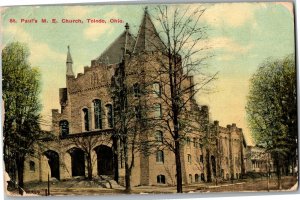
159	137
85	113
97	114
136	90
160	156
110	119
64	128
31	166
161	179
156	89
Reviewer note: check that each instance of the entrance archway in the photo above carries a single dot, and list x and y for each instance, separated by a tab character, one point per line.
77	162
104	160
53	161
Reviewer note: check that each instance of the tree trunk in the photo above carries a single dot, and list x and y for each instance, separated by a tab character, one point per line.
89	166
20	163
127	168
115	159
208	167
178	167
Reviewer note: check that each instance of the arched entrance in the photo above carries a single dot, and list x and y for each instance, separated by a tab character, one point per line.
53	161
77	162
104	160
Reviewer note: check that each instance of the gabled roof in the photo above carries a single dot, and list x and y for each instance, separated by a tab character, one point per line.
115	51
148	38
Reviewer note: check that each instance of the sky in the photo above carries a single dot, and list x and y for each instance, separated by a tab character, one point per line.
241	36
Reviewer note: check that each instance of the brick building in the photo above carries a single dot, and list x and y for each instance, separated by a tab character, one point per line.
83	128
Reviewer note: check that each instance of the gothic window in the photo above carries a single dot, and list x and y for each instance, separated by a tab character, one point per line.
159	137
64	128
97	114
136	90
195	142
85	112
110	115
156	89
160	156
189	158
157	111
32	166
161	179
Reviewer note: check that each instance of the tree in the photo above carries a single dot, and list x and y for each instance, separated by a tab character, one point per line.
272	111
184	56
21	89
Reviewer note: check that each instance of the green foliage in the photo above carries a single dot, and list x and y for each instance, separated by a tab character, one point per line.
272	106
21	89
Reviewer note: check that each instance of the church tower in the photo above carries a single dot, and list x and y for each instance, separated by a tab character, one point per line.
69	63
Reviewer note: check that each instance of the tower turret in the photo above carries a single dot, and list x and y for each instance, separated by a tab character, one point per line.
69	63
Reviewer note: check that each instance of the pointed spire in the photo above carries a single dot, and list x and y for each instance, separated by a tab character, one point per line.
148	38
69	63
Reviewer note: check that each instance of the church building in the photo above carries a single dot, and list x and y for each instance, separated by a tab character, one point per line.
84	141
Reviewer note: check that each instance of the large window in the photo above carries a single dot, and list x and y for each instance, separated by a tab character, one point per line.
156	89
160	156
64	128
97	114
159	137
85	112
161	179
110	119
136	90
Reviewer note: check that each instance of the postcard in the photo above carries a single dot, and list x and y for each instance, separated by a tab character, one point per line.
149	98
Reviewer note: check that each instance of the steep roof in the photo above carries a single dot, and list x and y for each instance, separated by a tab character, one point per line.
115	51
148	38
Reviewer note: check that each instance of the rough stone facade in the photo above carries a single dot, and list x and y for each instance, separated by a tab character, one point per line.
85	123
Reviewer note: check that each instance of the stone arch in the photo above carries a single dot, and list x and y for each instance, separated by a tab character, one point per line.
104	160
77	161
53	161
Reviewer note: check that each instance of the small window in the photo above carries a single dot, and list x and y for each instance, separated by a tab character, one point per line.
160	156
136	90
156	89
32	166
195	142
157	111
189	158
161	179
64	128
159	137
